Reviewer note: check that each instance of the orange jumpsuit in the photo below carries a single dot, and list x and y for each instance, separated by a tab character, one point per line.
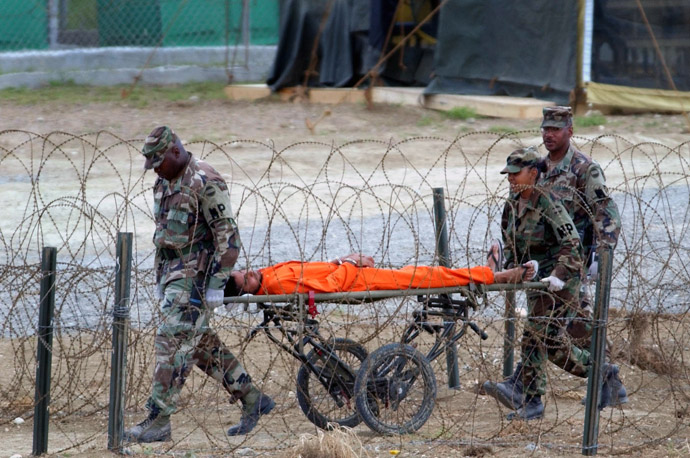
323	277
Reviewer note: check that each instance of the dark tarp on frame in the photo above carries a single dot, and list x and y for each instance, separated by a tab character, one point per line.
339	29
623	52
334	43
495	47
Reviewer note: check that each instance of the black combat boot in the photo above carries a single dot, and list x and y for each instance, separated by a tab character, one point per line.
509	391
156	428
532	410
613	393
251	411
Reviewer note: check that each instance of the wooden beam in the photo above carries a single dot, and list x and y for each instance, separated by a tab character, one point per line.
247	91
484	105
411	96
336	95
490	105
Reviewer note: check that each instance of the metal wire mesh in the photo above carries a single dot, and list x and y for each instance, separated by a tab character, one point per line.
314	201
42	24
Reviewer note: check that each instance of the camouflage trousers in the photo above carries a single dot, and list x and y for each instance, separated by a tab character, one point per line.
185	339
580	324
546	337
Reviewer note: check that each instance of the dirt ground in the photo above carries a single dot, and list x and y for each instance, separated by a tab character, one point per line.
286	123
464	423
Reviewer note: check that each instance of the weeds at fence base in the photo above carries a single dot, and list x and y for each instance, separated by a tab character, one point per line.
340	442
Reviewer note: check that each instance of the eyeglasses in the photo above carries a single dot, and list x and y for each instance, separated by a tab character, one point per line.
551	129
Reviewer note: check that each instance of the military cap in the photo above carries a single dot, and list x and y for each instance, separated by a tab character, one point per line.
557	117
156	144
523	157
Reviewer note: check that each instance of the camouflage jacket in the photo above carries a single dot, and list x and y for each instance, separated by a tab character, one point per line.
579	183
542	230
195	229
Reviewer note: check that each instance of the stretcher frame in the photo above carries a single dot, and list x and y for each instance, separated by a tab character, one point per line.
340	378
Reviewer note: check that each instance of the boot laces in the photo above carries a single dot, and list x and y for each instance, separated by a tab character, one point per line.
153	416
147	422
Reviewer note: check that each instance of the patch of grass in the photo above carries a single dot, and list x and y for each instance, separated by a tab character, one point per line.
424	121
502	130
143	95
461	113
589	121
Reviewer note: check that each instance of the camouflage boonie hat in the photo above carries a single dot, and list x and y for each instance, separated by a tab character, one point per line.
156	146
559	117
518	159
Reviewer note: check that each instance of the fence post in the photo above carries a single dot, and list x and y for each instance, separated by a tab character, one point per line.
509	337
590	435
118	362
44	352
246	27
444	260
53	23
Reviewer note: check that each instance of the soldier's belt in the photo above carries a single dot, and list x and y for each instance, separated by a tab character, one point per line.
175	253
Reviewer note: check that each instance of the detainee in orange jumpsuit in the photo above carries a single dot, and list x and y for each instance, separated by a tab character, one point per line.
356	272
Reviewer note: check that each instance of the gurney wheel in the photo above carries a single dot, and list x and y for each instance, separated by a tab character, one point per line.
402	384
322	402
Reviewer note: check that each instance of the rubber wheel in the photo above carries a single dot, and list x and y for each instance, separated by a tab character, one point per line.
319	399
395	390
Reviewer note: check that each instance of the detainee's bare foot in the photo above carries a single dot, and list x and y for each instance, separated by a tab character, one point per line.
518	274
513	275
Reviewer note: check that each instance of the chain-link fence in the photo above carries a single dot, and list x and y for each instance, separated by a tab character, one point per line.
110	42
57	24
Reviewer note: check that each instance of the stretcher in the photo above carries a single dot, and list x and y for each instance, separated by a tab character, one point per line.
393	389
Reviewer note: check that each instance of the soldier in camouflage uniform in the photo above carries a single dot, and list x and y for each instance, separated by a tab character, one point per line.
579	183
197	244
536	226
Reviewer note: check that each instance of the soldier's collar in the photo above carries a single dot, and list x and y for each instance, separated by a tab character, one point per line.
176	184
534	197
565	161
530	201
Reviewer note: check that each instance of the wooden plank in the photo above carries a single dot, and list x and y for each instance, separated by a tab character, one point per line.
247	91
336	95
295	94
398	95
490	105
484	105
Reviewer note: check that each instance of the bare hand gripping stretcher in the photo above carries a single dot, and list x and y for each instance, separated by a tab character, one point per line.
394	388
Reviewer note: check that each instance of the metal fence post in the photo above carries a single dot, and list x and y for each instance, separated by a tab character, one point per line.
53	23
44	352
444	260
246	25
118	362
590	435
509	338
